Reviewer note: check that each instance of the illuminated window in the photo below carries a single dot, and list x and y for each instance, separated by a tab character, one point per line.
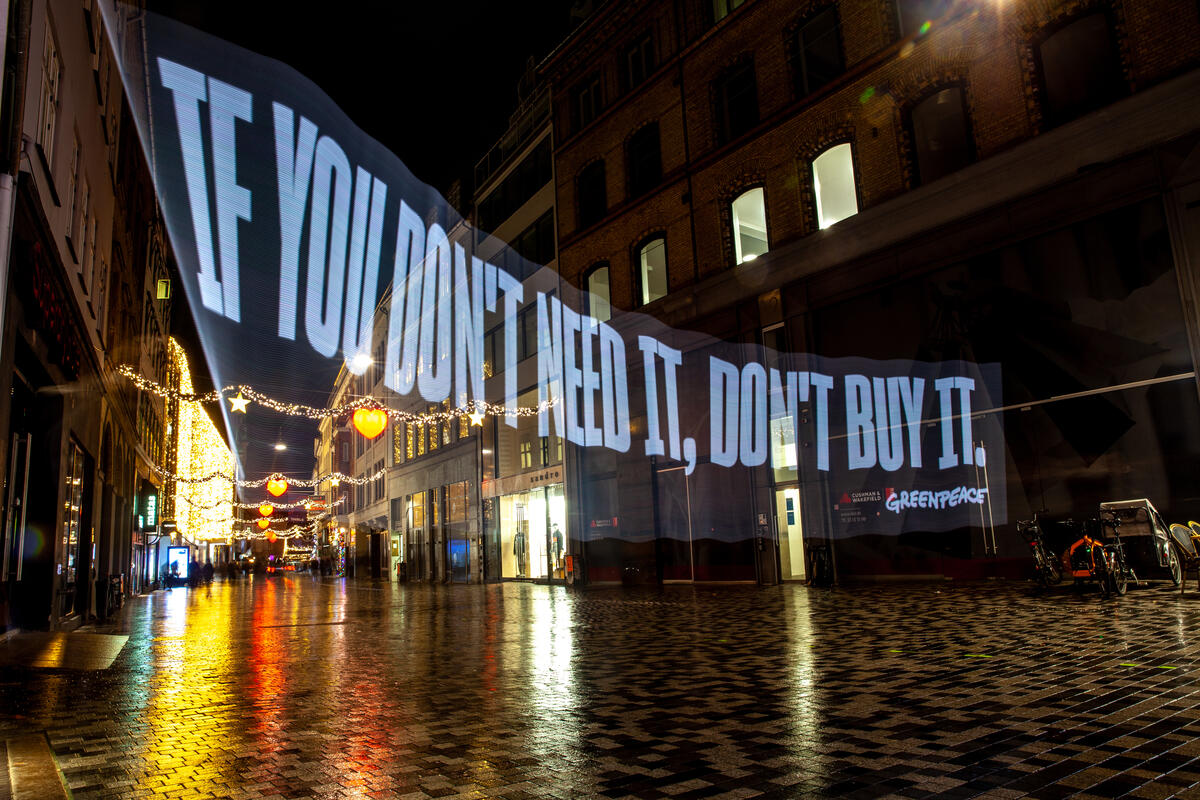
721	8
736	101
447	427
749	215
48	108
652	270
435	431
639	61
593	200
833	185
410	440
526	454
464	427
588	100
941	135
398	443
645	160
817	52
1079	68
599	300
420	438
493	351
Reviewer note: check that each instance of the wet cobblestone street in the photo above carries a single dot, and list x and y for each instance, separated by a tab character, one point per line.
302	687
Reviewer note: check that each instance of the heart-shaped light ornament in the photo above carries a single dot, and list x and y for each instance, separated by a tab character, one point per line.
370	422
263	523
277	486
266	509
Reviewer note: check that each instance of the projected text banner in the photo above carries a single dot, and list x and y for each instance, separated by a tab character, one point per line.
305	247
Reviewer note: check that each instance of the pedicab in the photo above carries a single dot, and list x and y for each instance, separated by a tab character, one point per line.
1186	539
1145	537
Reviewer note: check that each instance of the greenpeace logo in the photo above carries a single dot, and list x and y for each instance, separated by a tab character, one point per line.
947	498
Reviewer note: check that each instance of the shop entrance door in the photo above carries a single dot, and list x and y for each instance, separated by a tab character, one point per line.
791	533
674	550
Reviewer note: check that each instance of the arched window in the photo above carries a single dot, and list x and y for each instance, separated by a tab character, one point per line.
833	185
749	216
941	135
652	270
1079	68
599	299
593	201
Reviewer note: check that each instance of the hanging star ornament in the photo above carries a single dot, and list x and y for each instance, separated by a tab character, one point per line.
476	416
239	404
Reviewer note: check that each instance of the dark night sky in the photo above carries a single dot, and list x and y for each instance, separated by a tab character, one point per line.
460	62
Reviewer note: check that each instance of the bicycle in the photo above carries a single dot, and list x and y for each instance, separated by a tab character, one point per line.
1045	566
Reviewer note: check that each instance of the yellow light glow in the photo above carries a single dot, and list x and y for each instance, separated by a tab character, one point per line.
200	451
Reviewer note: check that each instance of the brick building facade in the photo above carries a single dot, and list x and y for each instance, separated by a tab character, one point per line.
951	171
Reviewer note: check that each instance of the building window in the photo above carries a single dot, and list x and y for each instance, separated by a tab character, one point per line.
588	100
73	196
833	185
526	454
599	299
817	52
536	243
48	109
593	203
721	8
639	61
1079	68
736	101
915	16
493	351
652	270
645	160
527	333
941	135
749	215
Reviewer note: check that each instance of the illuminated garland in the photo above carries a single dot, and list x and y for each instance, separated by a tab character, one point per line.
277	506
249	393
334	477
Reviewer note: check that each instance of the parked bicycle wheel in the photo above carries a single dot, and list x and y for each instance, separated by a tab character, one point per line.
1049	571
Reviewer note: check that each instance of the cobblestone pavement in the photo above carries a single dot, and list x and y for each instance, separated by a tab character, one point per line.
301	687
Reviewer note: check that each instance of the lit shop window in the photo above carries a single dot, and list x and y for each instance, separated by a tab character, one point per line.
749	214
833	184
652	270
941	135
600	299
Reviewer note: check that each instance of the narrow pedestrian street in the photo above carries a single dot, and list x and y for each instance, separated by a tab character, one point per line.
299	686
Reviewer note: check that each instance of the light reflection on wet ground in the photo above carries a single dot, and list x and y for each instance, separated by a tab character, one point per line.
298	687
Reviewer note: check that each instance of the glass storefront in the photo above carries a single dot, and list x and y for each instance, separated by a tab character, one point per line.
533	528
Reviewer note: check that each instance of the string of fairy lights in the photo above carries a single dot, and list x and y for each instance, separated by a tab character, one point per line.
370	418
334	478
476	410
306	503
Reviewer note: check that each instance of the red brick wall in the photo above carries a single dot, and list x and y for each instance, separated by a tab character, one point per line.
988	48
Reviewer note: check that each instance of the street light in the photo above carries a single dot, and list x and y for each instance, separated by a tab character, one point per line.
280	446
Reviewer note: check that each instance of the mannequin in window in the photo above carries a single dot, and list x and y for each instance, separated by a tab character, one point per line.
556	545
519	551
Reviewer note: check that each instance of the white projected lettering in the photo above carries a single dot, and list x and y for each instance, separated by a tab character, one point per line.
337	201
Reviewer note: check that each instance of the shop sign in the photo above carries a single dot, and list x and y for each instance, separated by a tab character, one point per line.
522	483
604	523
